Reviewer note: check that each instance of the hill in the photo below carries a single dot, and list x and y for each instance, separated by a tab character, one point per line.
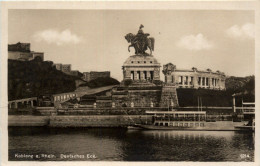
35	78
101	81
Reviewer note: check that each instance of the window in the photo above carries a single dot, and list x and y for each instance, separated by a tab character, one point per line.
203	81
145	75
138	62
186	80
191	80
151	75
132	62
180	80
132	75
151	61
144	61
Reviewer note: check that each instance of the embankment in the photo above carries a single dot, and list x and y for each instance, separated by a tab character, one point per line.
78	121
28	120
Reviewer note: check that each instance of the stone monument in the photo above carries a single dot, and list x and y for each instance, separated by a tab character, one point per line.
141	67
142	72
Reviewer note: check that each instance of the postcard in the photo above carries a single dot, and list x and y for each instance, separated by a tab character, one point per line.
129	82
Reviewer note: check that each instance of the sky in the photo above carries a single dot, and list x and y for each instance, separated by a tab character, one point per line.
93	40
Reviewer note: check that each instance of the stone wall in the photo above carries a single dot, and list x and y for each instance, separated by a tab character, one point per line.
98	120
88	76
169	96
22	120
194	78
79	120
137	96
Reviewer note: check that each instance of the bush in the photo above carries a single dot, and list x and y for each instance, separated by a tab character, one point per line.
128	82
102	81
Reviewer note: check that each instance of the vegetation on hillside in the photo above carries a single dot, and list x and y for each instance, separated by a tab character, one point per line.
36	78
244	88
100	82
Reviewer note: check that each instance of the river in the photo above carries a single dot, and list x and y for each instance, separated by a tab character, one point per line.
119	144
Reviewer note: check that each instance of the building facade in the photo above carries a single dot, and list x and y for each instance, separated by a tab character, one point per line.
194	78
141	68
66	68
88	76
22	52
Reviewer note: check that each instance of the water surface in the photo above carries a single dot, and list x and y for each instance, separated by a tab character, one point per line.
52	144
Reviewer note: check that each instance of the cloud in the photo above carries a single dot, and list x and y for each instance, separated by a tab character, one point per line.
195	42
245	31
60	38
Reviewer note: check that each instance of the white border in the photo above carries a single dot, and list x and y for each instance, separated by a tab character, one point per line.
175	5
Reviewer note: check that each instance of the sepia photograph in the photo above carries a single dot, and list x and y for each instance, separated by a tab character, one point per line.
130	84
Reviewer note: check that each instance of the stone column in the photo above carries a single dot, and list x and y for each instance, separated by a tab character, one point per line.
195	81
156	73
182	80
141	75
135	75
15	105
127	74
209	82
148	74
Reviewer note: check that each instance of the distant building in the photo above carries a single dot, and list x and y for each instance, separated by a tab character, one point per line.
22	52
87	76
194	78
74	73
66	68
58	66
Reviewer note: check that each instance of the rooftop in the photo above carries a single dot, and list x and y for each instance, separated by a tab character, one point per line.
141	60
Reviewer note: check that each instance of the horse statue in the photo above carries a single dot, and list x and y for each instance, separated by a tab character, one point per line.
140	41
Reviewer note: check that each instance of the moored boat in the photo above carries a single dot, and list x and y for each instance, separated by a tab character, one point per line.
188	120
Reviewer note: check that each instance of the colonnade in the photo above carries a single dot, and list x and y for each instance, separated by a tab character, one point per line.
21	103
63	97
142	75
197	82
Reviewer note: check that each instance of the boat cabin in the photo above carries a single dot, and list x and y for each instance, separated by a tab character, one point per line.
178	118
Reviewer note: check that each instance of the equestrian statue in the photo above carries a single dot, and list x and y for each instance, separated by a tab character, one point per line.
140	41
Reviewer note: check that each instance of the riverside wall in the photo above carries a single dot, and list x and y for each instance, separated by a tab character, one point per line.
78	120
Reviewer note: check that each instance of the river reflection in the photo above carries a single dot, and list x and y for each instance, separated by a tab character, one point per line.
131	145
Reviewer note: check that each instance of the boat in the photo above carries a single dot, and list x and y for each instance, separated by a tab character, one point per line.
188	120
249	113
199	120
